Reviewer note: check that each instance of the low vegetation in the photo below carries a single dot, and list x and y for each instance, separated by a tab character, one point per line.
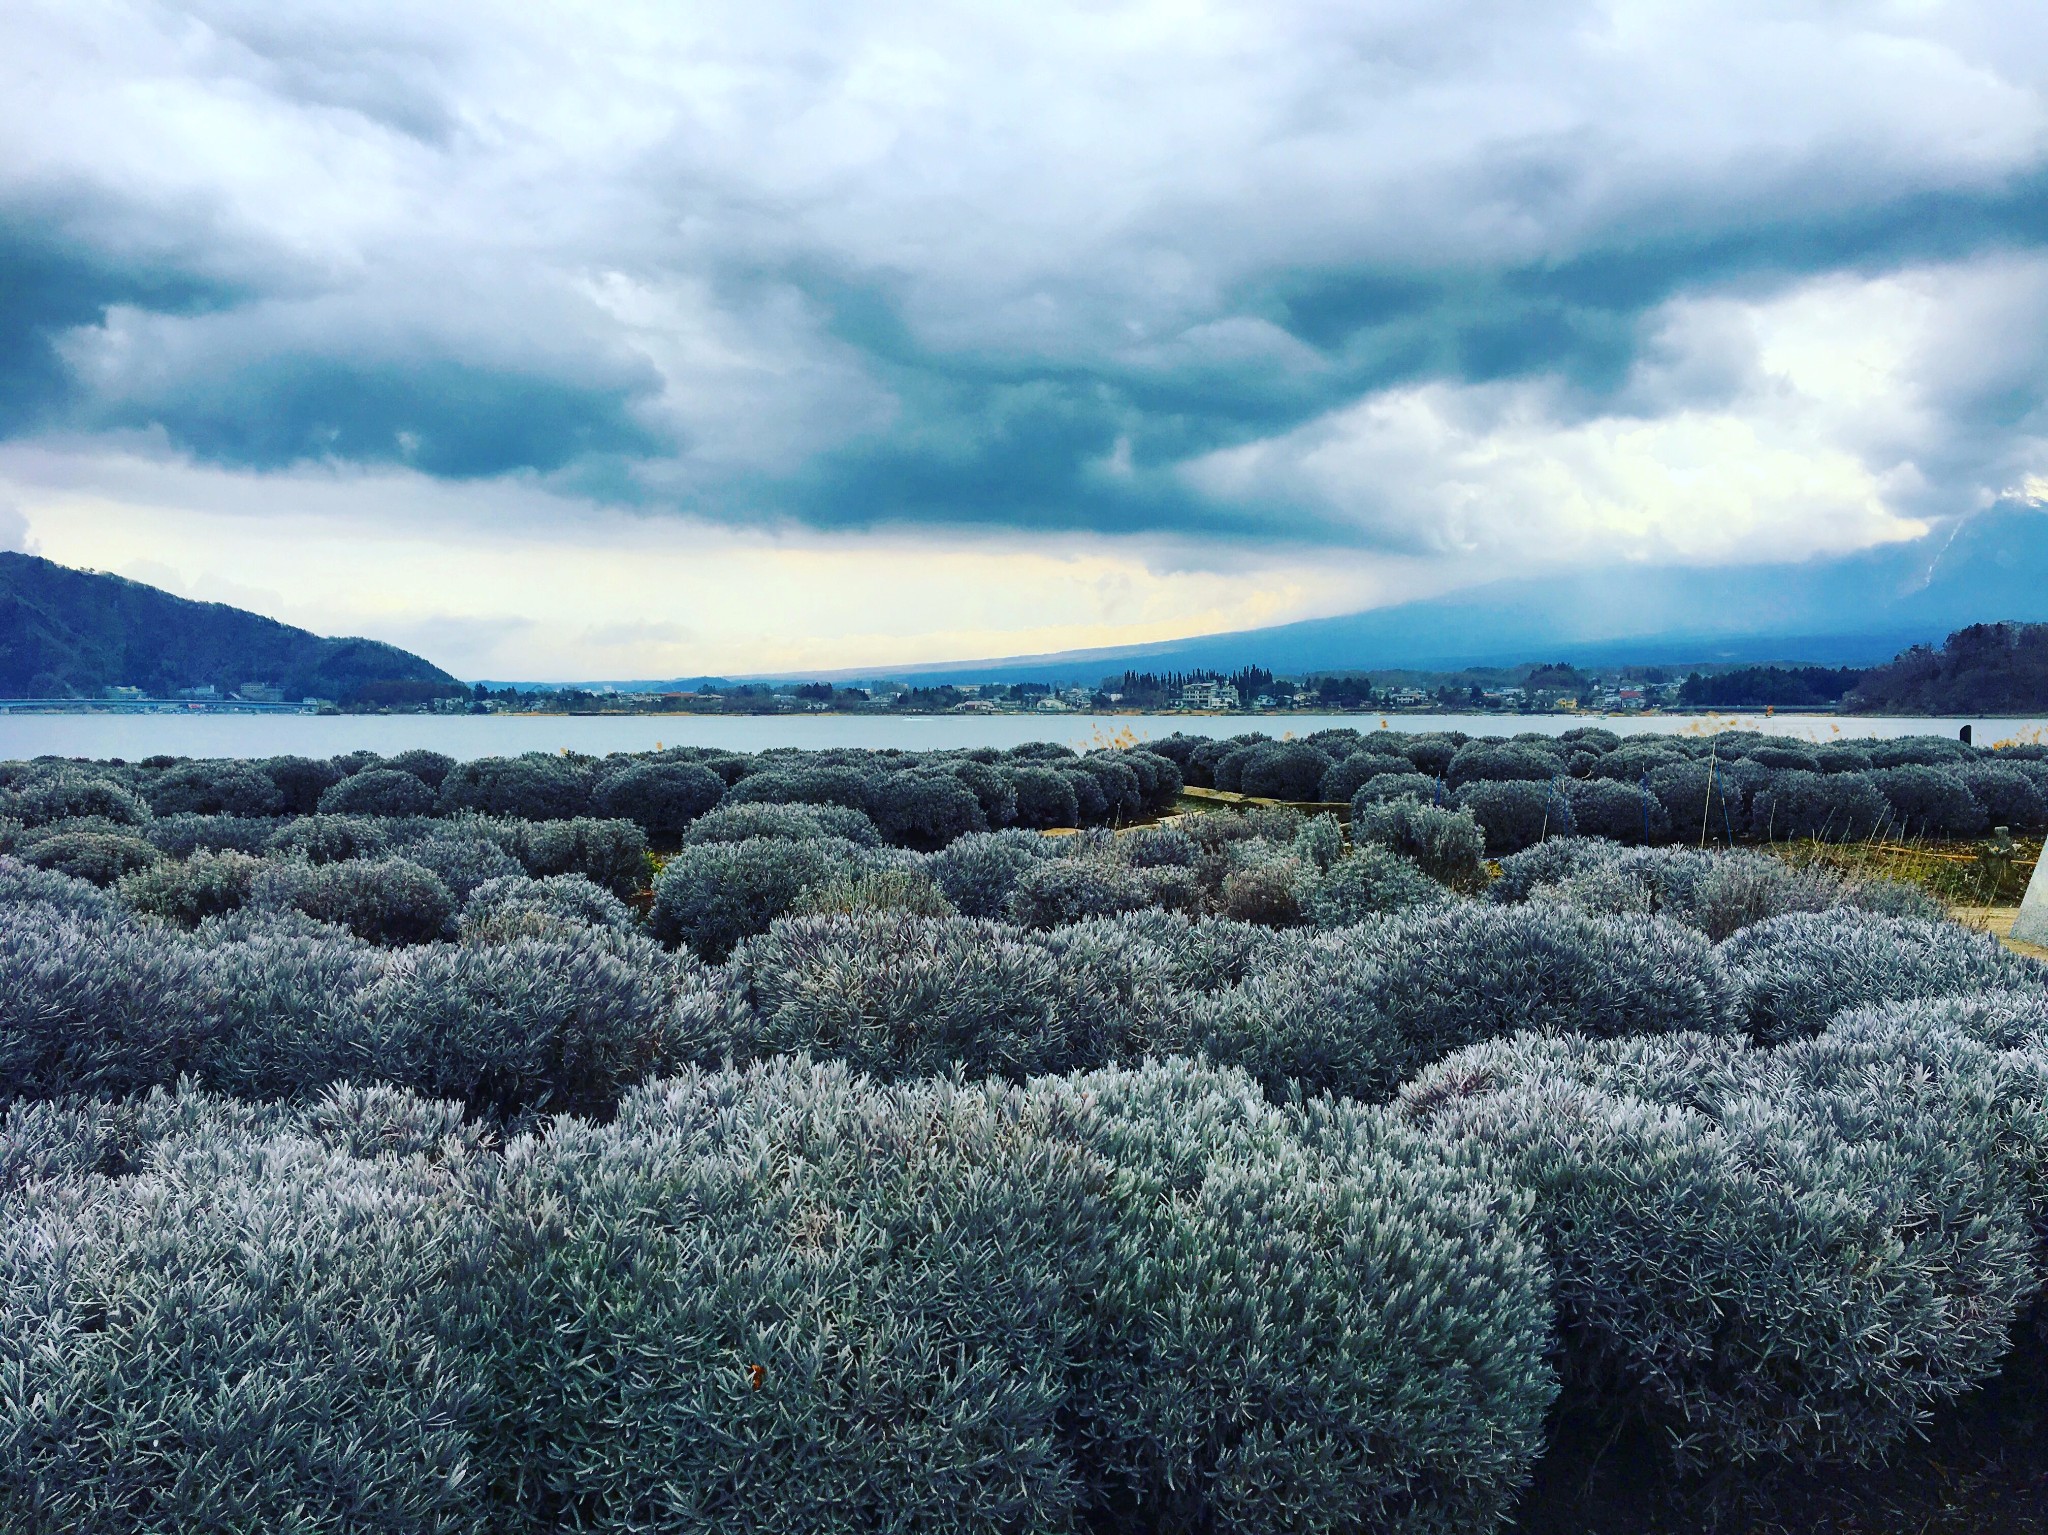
805	1142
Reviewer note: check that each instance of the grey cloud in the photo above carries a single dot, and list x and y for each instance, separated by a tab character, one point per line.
911	266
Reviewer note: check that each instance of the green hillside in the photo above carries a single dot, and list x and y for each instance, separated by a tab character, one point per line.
73	633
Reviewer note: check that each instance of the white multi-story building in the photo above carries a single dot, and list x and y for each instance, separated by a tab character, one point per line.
1208	695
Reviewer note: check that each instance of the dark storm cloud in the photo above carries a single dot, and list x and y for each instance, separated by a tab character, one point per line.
51	283
442	417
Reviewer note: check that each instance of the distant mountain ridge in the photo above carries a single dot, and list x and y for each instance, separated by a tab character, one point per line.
1993	566
74	633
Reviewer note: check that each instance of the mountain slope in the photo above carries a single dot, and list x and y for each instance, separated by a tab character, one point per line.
1860	609
72	633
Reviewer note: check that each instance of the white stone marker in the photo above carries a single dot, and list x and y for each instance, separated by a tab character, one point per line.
2031	925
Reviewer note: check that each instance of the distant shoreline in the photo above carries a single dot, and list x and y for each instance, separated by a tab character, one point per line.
184	709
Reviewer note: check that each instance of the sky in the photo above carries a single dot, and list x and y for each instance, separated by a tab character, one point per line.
634	341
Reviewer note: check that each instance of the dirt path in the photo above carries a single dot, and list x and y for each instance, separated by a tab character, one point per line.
1997	921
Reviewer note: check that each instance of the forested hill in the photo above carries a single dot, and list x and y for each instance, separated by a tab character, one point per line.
1984	669
72	633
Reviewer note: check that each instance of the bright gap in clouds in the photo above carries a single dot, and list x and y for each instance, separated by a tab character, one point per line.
594	595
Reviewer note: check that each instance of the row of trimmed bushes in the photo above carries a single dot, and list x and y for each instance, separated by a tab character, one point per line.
463	849
1645	788
921	800
1271	866
742	867
790	1299
551	996
1297	769
396	880
550	999
1699	802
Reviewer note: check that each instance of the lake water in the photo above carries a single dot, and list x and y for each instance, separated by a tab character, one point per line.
464	736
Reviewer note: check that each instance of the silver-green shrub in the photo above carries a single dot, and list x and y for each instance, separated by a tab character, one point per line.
1286	770
464	863
663	798
790	823
1929	802
1432	751
612	854
1372	882
67	796
1265	885
1624	812
1744	888
713	894
1708	799
97	857
187	891
94	1004
1517	813
1129	981
284	1009
517	906
234	1328
533	787
927	810
1829	807
335	838
385	900
50	891
904	996
1159	781
1395	786
180	836
302	780
1356	1010
429	767
560	1024
1920	751
1354	772
1319	842
2009	797
378	791
1140	1300
787	1301
1258	1355
978	872
214	788
1797	972
1550	862
1765	1253
1717	892
2007	1043
1448	845
1056	891
878	891
1503	762
1156	847
1045	798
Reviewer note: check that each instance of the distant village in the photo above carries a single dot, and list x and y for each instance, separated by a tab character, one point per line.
1542	689
1252	690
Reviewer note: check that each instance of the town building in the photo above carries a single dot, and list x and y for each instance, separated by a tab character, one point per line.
1208	695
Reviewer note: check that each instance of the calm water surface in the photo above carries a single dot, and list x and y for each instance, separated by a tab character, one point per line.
465	736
